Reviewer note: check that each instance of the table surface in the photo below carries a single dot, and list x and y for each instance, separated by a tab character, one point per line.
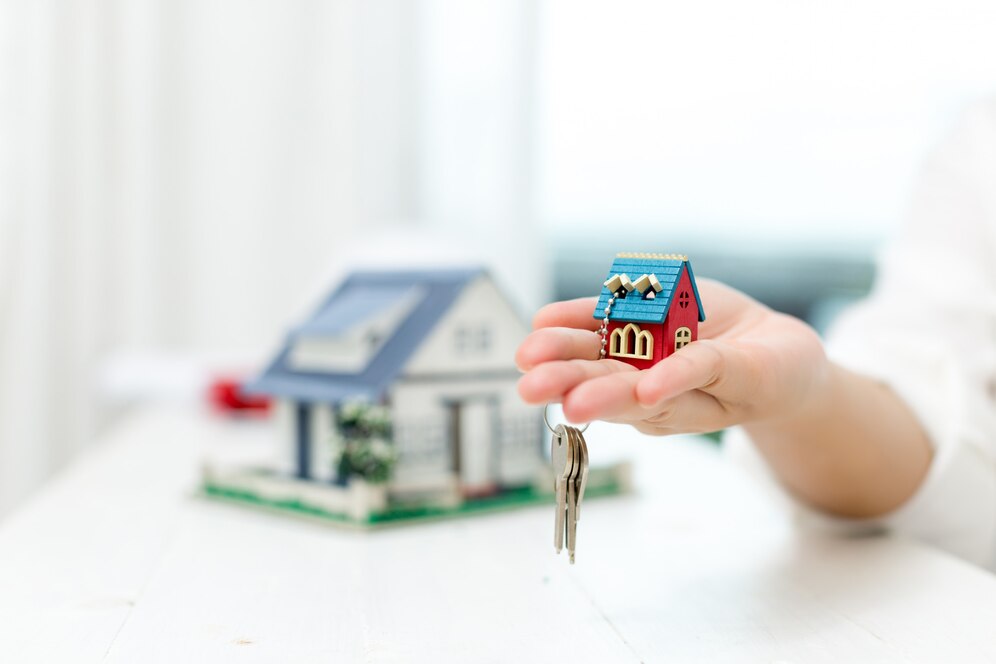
117	560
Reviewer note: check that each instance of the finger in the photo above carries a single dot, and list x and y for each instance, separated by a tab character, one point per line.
557	343
570	313
711	366
689	412
613	397
550	381
609	397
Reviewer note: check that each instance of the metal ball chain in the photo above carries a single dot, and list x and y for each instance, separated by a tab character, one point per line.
603	331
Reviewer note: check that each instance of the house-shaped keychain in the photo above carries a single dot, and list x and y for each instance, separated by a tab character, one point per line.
650	307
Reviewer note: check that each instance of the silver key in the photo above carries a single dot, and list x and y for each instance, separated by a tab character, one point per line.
562	456
582	471
569	458
572	518
575	490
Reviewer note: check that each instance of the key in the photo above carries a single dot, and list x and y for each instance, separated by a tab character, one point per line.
569	458
562	457
582	472
572	518
575	490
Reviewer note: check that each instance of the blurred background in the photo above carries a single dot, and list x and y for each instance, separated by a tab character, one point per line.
179	180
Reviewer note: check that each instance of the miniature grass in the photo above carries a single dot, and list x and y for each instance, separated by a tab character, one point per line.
401	514
213	490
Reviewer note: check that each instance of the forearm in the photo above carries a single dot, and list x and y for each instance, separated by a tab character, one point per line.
856	450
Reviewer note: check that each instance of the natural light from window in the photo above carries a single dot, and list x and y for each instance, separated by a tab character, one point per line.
765	120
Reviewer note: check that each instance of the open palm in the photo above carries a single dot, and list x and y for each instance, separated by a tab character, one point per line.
749	364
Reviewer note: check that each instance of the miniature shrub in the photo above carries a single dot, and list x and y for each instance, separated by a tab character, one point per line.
366	452
372	460
357	420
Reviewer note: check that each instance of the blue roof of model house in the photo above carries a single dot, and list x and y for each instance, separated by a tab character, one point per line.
363	296
634	308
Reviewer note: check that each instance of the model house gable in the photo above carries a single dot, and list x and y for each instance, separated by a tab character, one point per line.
479	333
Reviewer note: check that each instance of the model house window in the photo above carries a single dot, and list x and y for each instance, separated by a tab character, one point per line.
648	285
631	341
472	339
682	337
518	432
420	440
644	343
617	344
462	339
683	301
484	339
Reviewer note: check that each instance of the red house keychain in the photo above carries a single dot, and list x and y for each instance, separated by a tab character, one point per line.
649	307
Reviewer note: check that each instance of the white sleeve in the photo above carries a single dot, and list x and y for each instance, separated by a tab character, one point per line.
928	330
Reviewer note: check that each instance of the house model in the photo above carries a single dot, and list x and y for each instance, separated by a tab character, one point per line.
396	401
650	306
435	347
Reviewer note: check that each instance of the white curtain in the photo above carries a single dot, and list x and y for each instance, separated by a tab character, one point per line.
188	175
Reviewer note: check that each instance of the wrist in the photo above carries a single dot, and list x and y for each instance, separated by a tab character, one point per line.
809	380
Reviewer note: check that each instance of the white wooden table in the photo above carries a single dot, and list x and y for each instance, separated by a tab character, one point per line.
116	561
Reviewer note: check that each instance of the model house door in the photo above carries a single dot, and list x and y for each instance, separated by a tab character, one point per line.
474	446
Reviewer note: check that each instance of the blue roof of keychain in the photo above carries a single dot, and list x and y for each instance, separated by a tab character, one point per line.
634	308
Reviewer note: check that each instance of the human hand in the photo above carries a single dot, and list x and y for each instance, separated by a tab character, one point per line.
749	364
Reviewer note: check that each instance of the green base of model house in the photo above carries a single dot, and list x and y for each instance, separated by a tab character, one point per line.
607	481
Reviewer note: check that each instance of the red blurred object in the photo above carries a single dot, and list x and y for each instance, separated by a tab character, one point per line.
226	396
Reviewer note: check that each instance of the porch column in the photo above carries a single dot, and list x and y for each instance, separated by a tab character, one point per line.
303	416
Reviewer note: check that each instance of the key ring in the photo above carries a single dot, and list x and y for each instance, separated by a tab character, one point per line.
552	430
